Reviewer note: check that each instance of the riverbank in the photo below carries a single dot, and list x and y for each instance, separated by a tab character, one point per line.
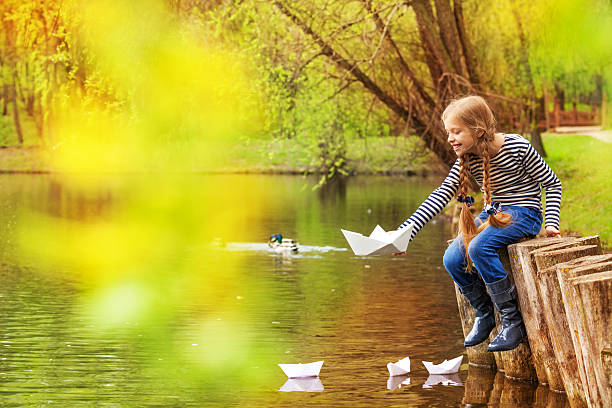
582	163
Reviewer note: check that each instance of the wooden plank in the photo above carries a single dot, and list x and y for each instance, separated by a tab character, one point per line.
594	302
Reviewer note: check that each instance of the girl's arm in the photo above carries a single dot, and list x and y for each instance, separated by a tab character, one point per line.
537	168
436	201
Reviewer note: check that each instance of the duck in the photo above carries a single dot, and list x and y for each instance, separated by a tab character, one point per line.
280	244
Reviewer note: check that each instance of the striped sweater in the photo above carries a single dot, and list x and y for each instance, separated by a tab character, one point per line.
516	173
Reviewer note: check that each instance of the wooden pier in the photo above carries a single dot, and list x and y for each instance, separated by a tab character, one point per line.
564	289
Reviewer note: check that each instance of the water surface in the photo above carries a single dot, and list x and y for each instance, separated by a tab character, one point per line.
210	338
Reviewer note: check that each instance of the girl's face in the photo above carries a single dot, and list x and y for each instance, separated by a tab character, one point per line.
459	136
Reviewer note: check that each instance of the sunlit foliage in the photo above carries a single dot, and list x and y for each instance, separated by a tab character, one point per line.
166	103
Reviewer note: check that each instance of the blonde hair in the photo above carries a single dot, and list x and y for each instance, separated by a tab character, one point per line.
474	112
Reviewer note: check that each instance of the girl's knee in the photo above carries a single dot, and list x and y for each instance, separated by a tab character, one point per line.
475	250
453	258
479	248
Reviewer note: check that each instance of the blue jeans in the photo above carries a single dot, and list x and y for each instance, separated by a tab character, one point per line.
526	221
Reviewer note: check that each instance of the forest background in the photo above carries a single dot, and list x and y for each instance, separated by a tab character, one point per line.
331	87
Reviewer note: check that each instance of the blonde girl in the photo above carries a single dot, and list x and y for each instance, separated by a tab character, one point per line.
510	173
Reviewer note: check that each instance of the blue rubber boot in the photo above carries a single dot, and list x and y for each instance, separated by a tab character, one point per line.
503	294
484	321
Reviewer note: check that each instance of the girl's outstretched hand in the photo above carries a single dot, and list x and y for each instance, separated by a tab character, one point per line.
552	231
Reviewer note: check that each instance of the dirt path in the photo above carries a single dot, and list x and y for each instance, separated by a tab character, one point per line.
594	131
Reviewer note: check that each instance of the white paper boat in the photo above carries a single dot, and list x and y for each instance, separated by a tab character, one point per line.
397	381
445	367
302	370
448	379
380	242
400	367
312	384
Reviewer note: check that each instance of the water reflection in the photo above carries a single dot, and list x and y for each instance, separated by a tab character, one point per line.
310	384
484	387
396	381
443	379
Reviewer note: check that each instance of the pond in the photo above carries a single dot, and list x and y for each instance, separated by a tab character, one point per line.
161	291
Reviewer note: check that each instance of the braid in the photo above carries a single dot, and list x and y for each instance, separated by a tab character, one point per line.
483	146
467	227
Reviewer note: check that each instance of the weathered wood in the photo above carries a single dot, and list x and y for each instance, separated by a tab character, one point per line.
594	302
477	355
565	271
518	363
525	279
478	386
545	262
554	312
606	362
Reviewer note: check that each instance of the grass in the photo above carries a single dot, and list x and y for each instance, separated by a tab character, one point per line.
584	165
374	155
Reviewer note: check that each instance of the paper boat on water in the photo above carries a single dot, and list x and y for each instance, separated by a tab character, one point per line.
397	381
302	370
380	242
400	367
448	379
312	384
445	367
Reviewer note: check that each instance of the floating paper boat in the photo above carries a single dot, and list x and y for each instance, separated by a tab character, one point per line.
302	370
448	379
400	367
445	367
312	384
380	242
397	381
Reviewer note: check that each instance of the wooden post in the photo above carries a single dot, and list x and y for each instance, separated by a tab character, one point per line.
556	112
578	333
478	355
525	279
518	363
554	312
595	309
575	114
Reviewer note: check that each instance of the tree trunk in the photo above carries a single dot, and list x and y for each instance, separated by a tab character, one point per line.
432	137
450	35
16	120
466	45
5	99
532	111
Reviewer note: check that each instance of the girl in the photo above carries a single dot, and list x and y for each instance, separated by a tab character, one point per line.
510	173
